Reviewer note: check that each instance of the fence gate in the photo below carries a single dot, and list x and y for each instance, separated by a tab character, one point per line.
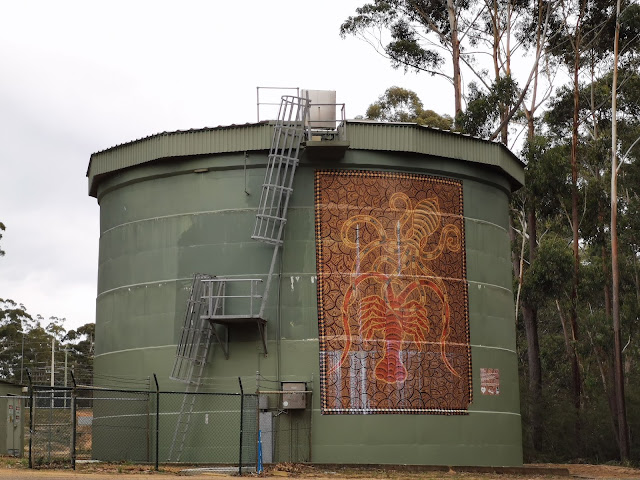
51	426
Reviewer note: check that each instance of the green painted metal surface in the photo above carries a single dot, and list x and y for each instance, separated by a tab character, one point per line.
363	135
161	222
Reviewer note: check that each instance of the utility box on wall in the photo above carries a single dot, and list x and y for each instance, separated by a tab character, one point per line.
12	441
294	395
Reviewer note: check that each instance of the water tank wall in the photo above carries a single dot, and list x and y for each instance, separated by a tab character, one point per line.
161	222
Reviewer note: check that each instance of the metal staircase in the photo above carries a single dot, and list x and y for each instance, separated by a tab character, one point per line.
191	354
207	304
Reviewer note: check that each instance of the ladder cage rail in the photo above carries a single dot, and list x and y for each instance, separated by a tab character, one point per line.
195	338
288	135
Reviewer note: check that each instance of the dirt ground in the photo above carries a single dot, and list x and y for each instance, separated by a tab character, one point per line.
15	469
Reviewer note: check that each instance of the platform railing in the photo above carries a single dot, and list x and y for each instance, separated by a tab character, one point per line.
334	127
215	293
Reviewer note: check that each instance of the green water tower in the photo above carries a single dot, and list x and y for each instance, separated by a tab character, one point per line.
368	262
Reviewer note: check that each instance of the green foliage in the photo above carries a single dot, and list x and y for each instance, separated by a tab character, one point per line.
547	280
547	175
402	105
550	275
26	342
485	107
406	22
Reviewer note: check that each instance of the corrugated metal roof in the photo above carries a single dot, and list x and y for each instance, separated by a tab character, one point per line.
410	137
362	135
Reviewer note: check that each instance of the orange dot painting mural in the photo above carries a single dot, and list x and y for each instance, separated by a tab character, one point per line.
392	293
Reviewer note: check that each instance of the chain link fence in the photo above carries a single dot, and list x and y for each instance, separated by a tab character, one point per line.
90	423
205	428
51	439
63	425
117	425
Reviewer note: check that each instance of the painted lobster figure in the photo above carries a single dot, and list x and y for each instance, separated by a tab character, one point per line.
403	286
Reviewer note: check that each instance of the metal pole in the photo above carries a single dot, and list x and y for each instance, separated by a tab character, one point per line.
30	419
258	438
65	375
74	427
155	378
22	354
310	406
241	425
246	155
53	364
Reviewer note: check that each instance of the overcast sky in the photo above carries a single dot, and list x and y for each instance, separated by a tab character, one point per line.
77	77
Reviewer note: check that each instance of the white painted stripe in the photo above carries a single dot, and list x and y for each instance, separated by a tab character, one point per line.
291	341
173	280
153	414
135	349
477	220
185	214
232	210
491	285
143	283
495	413
495	348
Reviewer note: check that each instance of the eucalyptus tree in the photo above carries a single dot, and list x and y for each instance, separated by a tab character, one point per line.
419	32
621	414
27	341
447	39
585	26
399	104
14	320
583	111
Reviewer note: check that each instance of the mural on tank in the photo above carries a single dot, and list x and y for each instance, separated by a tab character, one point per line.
392	293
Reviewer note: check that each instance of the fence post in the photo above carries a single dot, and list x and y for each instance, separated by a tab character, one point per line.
258	438
74	426
30	418
155	378
241	425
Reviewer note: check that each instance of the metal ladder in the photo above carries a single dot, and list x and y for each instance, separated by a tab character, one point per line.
191	357
182	424
191	354
288	135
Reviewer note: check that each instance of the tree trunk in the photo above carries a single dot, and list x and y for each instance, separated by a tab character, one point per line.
455	53
606	376
623	428
575	224
530	318
530	312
